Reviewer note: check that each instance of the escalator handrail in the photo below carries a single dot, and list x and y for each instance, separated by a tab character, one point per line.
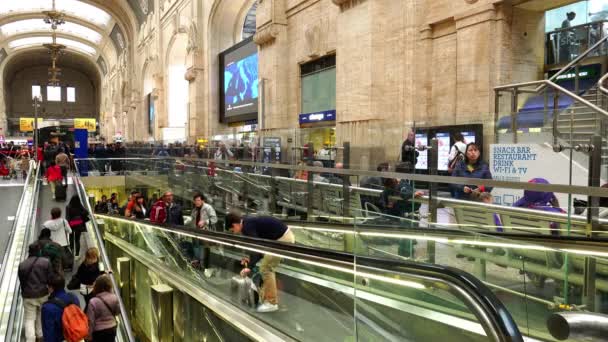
104	255
500	319
11	235
33	172
566	189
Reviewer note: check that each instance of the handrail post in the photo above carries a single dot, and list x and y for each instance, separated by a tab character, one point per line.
496	114
514	96
555	116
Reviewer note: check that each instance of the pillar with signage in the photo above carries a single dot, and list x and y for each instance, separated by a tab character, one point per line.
81	149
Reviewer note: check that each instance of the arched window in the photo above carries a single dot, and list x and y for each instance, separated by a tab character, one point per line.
249	26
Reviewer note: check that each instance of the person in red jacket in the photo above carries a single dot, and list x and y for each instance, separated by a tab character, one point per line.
53	176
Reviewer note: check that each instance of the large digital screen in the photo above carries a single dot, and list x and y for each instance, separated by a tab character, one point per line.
239	82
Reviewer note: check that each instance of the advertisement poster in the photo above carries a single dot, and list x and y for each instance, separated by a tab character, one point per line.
88	124
422	139
443	139
27	124
523	162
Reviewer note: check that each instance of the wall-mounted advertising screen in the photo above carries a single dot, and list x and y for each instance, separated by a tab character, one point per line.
422	139
472	133
151	114
239	82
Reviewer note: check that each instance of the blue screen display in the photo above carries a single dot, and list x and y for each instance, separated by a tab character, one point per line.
241	85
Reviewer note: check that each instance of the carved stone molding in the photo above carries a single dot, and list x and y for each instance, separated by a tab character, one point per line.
266	35
156	93
340	2
191	74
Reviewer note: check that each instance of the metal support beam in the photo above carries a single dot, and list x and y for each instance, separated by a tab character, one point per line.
123	268
310	185
162	313
514	96
346	180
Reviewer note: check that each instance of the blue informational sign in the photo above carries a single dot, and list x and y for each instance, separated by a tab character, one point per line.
328	115
81	149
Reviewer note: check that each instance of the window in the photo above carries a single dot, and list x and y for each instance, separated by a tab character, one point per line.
318	85
71	94
73	7
53	93
249	26
29	41
34	25
36	92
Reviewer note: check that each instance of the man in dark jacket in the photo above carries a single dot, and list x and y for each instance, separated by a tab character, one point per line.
262	227
175	216
33	276
52	327
51	250
409	155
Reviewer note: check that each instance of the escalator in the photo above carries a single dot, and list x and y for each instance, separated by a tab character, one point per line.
324	295
34	208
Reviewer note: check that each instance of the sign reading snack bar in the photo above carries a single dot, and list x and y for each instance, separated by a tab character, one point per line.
27	124
523	162
88	124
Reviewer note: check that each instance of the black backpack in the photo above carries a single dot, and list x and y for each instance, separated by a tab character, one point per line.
454	162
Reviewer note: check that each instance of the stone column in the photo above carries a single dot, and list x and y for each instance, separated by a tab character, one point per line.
271	37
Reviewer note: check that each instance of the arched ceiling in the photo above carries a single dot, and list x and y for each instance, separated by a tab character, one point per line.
39	57
88	27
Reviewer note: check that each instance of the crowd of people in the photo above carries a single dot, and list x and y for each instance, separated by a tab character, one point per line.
53	313
165	211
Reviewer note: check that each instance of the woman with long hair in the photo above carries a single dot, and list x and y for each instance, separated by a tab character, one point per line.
472	166
102	311
87	272
77	216
140	209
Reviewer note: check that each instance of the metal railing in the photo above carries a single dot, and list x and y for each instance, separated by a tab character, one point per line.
11	308
104	255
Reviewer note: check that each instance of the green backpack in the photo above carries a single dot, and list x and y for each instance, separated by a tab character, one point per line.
52	251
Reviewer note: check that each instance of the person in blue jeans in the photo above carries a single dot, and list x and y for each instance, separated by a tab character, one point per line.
471	167
52	328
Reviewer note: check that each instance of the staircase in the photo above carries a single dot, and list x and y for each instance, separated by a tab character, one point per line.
585	122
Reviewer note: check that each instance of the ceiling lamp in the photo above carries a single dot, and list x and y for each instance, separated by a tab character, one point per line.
54	18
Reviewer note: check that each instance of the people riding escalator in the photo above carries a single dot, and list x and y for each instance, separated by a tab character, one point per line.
33	278
77	217
60	232
262	227
203	217
102	311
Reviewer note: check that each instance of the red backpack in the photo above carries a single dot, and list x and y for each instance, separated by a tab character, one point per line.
158	212
75	323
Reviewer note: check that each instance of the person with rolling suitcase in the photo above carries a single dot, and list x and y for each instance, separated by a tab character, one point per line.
54	177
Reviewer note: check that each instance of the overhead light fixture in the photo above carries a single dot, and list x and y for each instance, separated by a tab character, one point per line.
54	18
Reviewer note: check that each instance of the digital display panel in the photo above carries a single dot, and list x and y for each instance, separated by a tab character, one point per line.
443	139
422	163
239	82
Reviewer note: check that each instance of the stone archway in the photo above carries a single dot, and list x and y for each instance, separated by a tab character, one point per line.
225	30
177	90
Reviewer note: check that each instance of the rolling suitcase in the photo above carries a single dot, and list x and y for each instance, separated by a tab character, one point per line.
60	192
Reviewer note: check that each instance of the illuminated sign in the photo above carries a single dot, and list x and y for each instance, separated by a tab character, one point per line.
27	124
328	115
88	124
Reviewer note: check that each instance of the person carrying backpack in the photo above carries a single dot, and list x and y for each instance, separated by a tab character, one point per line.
62	318
102	310
33	277
51	250
456	152
60	232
